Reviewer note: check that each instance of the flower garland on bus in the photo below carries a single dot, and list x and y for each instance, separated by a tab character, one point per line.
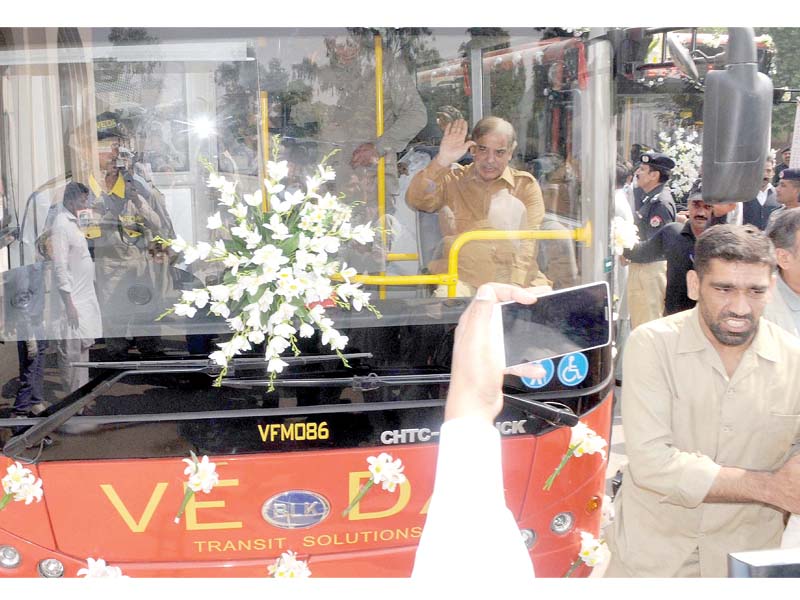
684	147
384	470
99	569
583	440
21	485
203	477
593	552
280	276
287	566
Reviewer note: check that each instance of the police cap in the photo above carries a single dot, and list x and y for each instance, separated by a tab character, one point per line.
658	161
790	174
787	149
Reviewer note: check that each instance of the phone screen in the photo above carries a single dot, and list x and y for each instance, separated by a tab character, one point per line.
570	320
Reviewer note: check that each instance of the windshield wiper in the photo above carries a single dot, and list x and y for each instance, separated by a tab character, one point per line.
204	365
369	382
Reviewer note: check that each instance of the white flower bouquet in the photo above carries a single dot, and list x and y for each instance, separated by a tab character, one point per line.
582	441
21	485
684	147
280	275
624	234
385	471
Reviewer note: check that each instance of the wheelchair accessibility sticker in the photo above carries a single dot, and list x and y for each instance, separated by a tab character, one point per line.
573	368
549	369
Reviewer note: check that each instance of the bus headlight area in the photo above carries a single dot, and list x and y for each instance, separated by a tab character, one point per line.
50	568
562	523
528	537
9	557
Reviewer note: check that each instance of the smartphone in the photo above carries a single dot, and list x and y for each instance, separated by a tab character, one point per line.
570	320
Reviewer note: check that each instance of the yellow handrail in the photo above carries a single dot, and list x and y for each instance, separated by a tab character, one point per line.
450	279
381	160
264	109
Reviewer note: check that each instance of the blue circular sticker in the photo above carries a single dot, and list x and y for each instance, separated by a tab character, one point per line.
573	369
549	369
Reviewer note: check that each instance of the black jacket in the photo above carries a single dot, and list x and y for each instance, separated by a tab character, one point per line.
653	211
675	243
755	214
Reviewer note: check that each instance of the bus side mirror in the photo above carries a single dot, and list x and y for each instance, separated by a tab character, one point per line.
737	112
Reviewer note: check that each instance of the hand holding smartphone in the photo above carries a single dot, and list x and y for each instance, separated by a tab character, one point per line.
574	319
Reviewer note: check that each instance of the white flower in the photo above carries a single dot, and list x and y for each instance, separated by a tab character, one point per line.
326	173
623	235
276	345
586	441
219	293
276	365
99	568
202	474
214	221
593	551
363	234
386	471
256	336
269	256
29	491
178	244
277	171
238	210
273	188
219	357
290	200
185	310
306	330
279	230
255	199
288	566
16	476
232	262
334	339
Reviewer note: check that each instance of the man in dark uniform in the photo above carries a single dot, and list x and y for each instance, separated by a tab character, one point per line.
786	155
654	209
675	243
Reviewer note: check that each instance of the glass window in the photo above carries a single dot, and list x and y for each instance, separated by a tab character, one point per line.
108	135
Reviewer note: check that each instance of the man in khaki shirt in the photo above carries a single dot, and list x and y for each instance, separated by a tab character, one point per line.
488	194
711	410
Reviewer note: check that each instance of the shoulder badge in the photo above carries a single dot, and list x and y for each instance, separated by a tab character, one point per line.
656	221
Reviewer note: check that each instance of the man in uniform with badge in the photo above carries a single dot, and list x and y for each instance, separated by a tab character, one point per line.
654	209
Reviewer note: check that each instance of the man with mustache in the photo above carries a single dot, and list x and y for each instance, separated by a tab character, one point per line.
711	412
675	244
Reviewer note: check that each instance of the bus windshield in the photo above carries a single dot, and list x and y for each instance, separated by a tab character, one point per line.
106	146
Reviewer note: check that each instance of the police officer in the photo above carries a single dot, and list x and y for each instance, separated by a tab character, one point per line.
654	209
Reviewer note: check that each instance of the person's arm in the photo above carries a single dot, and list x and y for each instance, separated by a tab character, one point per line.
654	461
648	250
524	261
408	110
780	488
428	188
468	516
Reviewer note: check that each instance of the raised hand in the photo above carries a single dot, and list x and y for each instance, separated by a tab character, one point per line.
454	143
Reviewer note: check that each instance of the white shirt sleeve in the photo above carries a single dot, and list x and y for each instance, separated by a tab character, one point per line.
468	521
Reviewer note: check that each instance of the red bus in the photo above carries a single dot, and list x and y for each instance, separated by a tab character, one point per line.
105	416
